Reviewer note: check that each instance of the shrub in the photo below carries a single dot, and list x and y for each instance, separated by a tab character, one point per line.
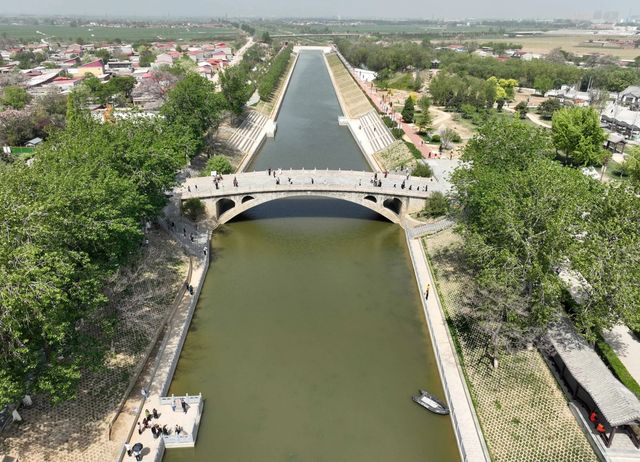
435	138
193	209
398	133
388	122
423	170
436	205
619	370
415	152
220	164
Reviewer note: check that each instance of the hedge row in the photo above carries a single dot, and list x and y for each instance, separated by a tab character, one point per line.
271	78
619	370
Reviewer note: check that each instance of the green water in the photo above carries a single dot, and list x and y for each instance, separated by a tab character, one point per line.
309	337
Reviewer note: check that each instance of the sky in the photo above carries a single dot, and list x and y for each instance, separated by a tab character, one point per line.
418	9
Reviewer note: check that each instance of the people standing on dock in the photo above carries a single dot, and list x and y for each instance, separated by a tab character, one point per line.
178	429
155	413
140	429
127	447
269	171
184	405
235	182
147	414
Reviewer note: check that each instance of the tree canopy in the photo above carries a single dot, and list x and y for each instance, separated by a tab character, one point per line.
577	133
71	220
524	216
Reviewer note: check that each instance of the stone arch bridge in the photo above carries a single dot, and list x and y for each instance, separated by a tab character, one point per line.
389	199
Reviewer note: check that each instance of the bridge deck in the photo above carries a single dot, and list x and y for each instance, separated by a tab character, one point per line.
309	181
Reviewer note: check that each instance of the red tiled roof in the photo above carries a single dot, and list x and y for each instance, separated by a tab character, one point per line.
96	63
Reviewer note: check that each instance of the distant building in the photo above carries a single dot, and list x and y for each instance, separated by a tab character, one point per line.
630	97
95	68
366	75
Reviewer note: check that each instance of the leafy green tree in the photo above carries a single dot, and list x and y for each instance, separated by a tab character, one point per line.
147	57
436	205
265	37
423	118
548	107
220	164
543	84
631	165
577	132
408	111
522	108
15	97
193	209
422	169
524	216
235	89
193	104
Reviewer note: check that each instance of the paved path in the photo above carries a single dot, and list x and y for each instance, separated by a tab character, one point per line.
627	347
236	58
311	180
465	423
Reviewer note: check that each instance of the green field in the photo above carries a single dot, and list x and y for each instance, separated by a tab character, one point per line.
126	34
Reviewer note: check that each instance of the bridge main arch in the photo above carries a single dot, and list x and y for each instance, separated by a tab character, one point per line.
234	206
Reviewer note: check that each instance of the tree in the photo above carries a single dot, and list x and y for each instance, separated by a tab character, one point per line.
15	97
522	108
436	205
422	169
16	127
235	89
631	165
577	132
265	37
193	209
193	104
147	56
408	111
159	83
447	136
548	107
598	99
543	84
423	118
219	164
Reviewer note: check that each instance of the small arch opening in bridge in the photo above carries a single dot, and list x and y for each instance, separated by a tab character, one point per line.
247	199
224	205
371	198
394	204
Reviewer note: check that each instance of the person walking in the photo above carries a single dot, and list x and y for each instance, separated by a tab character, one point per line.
184	405
426	292
127	447
140	429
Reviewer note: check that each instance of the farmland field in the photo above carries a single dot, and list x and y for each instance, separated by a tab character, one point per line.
545	43
126	34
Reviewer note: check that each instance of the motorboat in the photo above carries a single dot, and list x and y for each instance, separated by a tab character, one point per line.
430	402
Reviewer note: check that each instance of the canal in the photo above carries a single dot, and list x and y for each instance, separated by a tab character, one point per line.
309	336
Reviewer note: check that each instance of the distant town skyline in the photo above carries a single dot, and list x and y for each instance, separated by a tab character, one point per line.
416	9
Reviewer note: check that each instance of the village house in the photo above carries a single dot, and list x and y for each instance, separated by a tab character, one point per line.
630	97
95	68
